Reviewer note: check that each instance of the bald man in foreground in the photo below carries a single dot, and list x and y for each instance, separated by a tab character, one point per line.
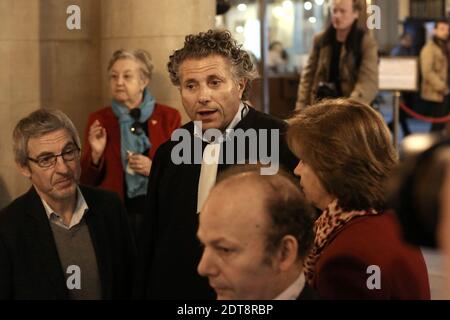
256	230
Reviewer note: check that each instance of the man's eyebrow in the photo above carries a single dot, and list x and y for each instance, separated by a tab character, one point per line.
69	144
189	80
44	153
48	153
214	76
215	241
220	241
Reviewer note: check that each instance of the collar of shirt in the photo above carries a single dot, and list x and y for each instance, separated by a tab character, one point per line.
294	290
240	114
78	214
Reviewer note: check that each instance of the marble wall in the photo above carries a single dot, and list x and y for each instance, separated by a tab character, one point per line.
44	64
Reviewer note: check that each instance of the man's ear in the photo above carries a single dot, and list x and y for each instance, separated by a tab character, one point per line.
24	170
242	83
287	254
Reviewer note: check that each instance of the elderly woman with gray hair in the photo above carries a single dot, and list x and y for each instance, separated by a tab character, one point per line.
121	139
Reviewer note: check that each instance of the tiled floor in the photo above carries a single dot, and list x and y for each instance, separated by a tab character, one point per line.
436	274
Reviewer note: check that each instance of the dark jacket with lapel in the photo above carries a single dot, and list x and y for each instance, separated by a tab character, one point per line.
170	250
29	263
308	293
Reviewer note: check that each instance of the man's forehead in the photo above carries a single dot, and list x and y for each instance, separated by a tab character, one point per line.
50	141
218	226
207	65
234	209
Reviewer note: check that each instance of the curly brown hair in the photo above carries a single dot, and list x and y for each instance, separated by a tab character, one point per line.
348	145
214	42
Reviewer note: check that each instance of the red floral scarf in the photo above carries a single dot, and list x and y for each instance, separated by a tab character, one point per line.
331	221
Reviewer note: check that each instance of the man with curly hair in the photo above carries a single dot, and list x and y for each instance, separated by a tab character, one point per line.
213	74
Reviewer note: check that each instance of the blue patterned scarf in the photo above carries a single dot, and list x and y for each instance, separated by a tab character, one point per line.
136	184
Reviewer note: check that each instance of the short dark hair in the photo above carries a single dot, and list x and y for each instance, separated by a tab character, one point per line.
288	211
349	147
214	42
441	20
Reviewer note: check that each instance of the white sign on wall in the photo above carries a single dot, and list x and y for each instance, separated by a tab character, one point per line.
399	73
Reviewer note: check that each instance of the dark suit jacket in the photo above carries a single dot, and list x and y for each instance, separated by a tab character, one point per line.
29	263
308	293
109	174
170	250
341	270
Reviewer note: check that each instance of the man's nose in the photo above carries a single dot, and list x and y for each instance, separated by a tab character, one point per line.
204	95
207	266
61	165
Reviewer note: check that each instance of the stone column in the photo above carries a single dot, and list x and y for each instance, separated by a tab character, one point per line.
387	36
154	25
44	64
70	59
19	83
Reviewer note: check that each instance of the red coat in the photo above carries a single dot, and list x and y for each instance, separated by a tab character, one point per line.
110	173
341	270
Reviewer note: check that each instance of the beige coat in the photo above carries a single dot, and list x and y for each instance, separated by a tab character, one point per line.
361	85
434	69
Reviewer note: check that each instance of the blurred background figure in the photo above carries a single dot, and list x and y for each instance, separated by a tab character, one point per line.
403	49
420	194
435	71
346	157
278	58
444	227
344	58
121	139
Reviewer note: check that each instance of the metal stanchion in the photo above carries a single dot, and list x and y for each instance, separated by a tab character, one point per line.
264	33
396	113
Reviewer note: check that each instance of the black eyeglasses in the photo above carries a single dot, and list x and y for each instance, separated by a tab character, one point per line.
48	161
137	127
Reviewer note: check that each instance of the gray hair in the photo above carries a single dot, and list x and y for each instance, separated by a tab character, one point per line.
214	42
142	57
37	124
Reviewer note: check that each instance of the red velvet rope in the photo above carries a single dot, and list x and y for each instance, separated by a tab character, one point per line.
419	116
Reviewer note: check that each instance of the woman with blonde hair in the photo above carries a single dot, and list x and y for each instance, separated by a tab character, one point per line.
346	157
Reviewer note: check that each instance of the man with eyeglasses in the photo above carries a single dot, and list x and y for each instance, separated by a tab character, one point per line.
61	240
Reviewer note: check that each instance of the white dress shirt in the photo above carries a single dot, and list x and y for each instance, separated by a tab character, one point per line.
210	159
